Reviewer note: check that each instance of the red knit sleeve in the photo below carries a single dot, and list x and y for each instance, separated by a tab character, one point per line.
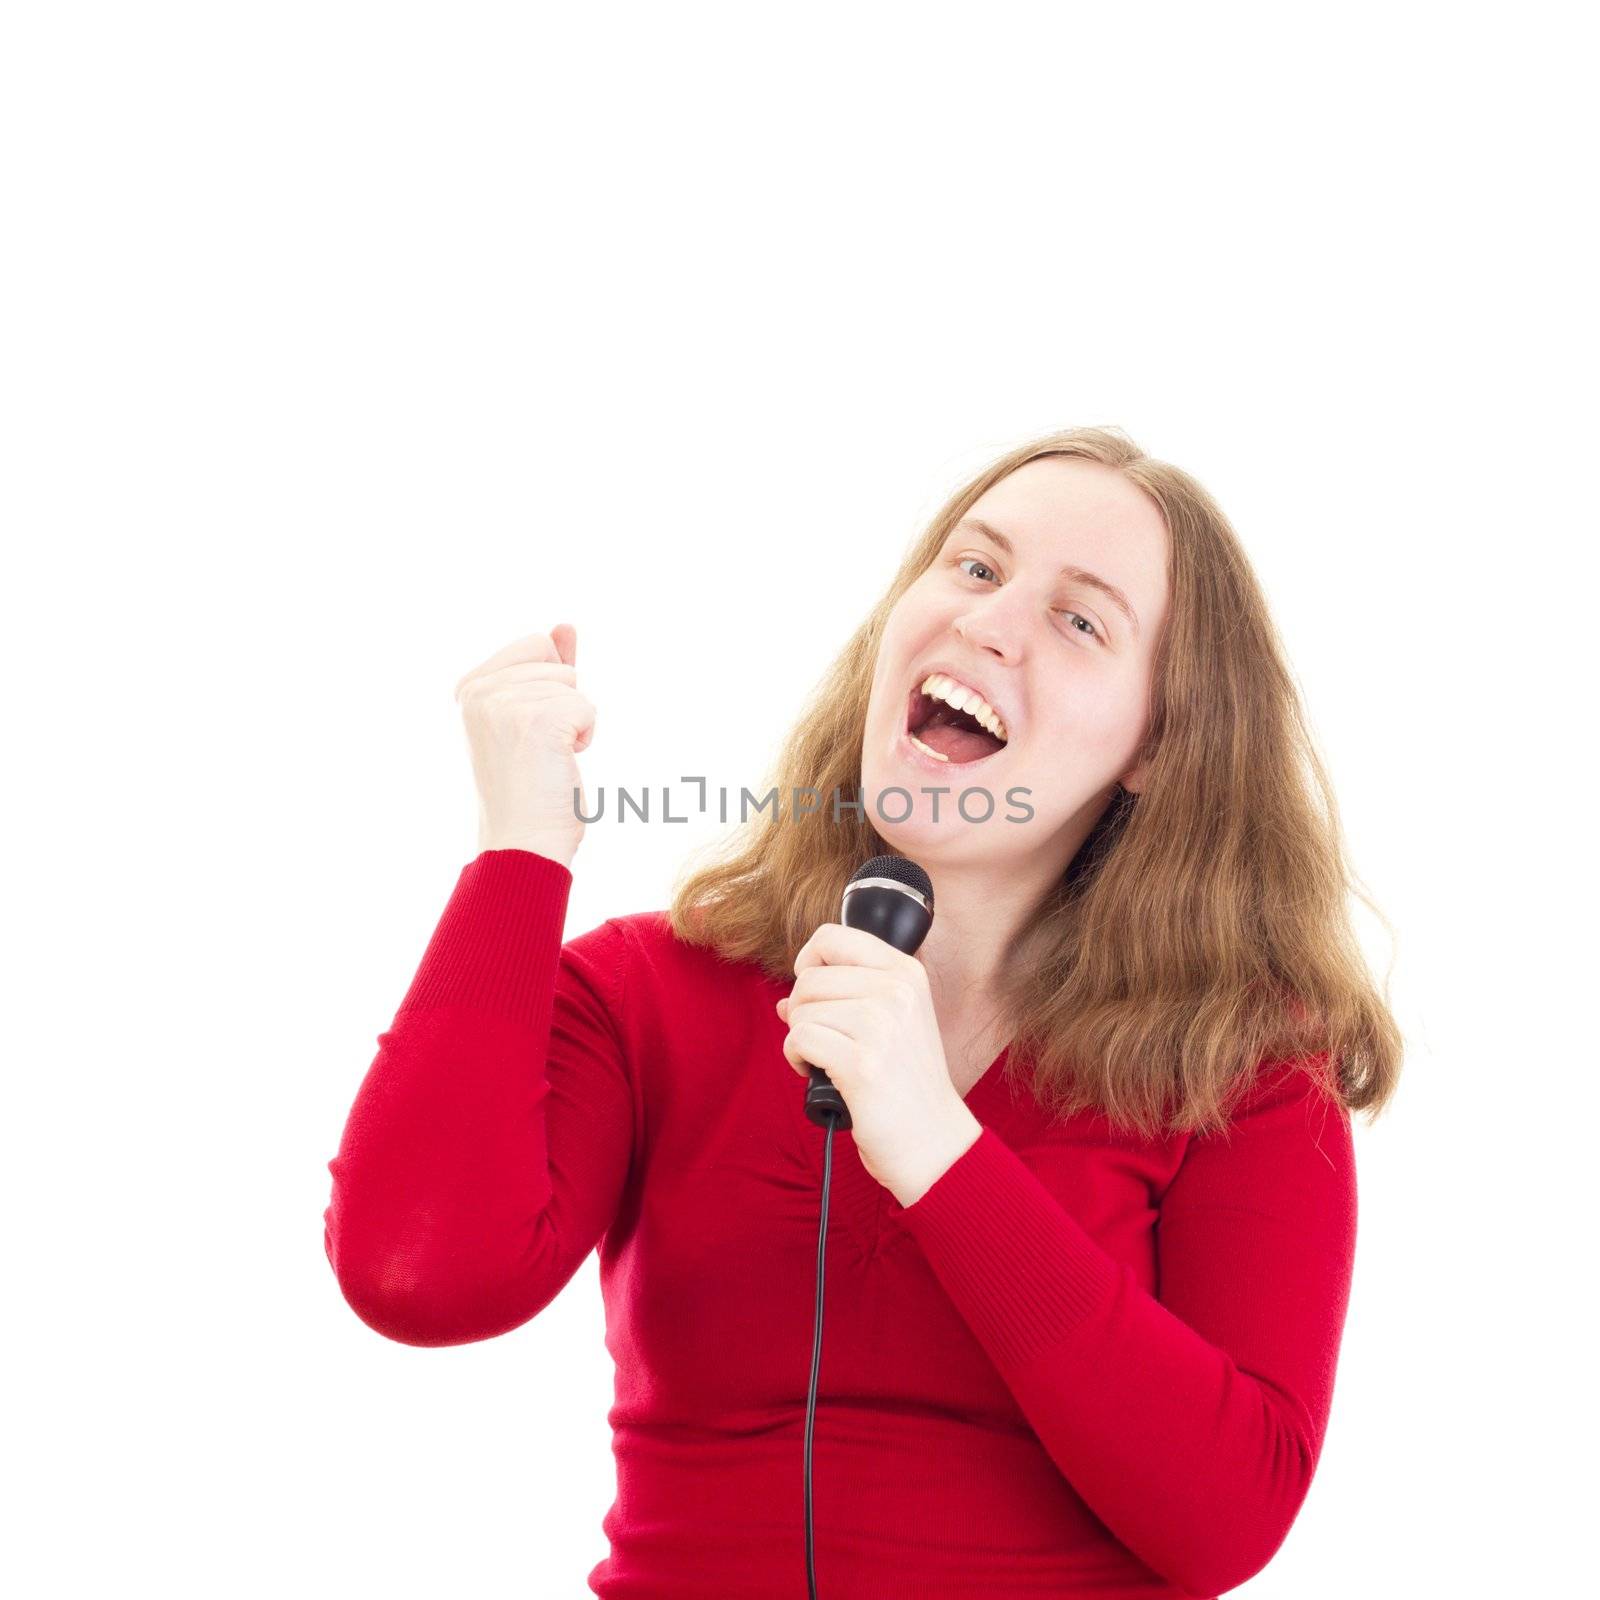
1190	1424
489	1142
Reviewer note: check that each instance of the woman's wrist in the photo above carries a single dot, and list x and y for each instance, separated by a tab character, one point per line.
559	850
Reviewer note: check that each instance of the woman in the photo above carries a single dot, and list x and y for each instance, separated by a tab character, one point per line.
1092	1227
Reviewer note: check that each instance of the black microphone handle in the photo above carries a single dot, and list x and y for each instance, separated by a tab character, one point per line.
824	1103
898	918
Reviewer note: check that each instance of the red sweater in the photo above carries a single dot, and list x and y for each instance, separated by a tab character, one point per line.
1081	1363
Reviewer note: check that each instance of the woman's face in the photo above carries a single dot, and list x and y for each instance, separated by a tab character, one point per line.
1066	669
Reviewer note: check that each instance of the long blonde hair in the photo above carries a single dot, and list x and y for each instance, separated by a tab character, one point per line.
1202	930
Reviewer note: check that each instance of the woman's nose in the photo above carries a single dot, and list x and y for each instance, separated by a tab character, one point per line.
995	625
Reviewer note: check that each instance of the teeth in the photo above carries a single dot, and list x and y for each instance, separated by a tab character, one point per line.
938	755
964	699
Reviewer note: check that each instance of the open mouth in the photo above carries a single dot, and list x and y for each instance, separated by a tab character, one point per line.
948	733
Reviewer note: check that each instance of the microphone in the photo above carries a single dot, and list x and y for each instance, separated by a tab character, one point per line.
893	898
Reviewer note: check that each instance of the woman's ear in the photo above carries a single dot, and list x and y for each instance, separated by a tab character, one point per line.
1134	780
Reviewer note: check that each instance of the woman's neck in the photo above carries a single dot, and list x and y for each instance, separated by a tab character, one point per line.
979	910
975	925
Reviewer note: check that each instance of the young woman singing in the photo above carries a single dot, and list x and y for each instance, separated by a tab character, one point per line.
1092	1228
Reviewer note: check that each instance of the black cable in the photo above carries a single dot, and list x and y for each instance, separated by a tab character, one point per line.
816	1348
890	897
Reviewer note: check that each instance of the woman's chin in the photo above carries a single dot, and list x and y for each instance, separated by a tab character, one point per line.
913	822
897	804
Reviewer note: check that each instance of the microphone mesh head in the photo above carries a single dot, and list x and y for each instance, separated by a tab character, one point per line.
899	870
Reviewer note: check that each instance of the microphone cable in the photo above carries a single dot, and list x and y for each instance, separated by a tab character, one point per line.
816	1350
891	897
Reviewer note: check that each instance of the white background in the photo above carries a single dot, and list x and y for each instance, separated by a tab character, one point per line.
344	344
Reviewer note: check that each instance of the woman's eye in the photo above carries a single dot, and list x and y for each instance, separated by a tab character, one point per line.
974	561
1093	632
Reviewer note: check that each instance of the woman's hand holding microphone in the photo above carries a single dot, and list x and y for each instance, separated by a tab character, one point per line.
525	723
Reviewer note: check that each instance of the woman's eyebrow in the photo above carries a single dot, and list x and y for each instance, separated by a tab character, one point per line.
1080	574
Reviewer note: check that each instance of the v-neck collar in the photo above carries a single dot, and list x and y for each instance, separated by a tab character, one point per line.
857	1202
